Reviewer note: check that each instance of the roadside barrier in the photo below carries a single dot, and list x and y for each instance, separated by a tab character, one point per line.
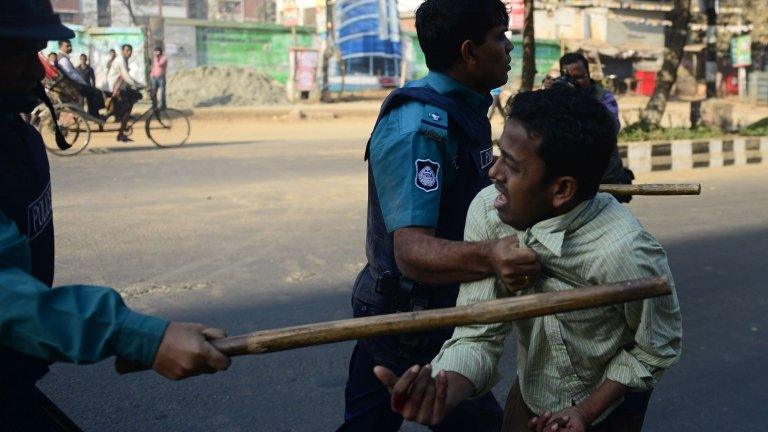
699	153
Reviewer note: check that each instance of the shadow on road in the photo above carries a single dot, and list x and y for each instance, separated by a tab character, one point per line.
139	148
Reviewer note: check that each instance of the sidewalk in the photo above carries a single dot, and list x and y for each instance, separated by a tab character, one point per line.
677	113
314	111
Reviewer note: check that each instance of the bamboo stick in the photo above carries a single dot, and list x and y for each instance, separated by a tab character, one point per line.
652	189
502	310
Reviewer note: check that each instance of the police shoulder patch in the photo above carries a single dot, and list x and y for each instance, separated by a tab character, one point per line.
427	175
434	123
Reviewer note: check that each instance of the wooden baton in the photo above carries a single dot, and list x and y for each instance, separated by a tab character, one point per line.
652	189
494	311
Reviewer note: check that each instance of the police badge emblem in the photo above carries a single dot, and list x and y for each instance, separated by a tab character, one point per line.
426	175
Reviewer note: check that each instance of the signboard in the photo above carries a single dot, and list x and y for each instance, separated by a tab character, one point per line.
306	69
741	51
516	11
290	14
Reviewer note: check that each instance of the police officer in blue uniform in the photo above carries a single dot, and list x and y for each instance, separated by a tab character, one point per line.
76	323
428	156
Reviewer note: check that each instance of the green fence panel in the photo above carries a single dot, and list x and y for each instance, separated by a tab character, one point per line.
547	53
266	50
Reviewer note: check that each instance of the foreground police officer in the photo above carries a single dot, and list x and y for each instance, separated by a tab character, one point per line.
80	324
428	157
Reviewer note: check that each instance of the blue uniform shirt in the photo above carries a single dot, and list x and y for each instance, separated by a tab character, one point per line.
77	323
412	154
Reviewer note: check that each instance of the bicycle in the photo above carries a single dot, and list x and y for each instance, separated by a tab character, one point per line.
165	127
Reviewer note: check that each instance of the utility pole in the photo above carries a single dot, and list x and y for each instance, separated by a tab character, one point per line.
711	61
325	92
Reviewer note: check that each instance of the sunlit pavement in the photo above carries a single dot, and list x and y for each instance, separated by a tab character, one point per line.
251	228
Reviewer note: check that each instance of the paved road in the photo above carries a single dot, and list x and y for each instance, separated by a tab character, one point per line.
252	235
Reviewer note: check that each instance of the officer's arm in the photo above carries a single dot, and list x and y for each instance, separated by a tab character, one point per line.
80	324
409	156
84	324
423	257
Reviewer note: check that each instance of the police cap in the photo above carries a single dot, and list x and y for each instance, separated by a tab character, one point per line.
31	19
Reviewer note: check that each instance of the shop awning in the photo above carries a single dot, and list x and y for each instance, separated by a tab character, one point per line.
623	51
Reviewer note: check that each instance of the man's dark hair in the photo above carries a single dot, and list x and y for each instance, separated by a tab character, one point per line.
577	134
64	41
444	25
126	46
112	51
159	49
84	56
571	58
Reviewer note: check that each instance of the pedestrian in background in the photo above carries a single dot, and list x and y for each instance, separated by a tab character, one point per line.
574	70
157	75
104	71
86	71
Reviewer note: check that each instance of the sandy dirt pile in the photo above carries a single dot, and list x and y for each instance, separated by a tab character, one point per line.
223	86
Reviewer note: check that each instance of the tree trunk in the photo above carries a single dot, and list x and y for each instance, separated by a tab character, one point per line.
529	49
673	53
128	5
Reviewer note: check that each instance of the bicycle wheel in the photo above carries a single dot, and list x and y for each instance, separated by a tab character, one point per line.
167	128
76	130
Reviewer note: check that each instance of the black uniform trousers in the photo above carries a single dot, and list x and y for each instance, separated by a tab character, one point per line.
24	408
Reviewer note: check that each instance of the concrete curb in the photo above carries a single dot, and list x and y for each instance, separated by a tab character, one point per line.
650	156
294	112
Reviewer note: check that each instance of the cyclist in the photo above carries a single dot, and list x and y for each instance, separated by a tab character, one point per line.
124	89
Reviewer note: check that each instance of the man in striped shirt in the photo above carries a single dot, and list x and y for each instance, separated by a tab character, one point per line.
590	370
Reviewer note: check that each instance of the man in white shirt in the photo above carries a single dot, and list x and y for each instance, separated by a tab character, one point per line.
124	90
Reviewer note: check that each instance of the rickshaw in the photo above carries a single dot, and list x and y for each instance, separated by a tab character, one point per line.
165	127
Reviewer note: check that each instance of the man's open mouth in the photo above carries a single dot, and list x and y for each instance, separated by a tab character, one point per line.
501	198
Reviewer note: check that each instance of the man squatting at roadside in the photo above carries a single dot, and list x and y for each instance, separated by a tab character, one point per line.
429	156
593	369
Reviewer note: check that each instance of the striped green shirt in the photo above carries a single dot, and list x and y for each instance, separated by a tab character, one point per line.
562	358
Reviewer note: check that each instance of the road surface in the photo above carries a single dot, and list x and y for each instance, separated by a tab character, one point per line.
256	226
